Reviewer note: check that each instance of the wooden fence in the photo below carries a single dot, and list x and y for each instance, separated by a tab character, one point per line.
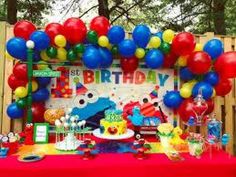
225	107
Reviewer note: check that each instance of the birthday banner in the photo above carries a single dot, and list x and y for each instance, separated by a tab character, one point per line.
119	87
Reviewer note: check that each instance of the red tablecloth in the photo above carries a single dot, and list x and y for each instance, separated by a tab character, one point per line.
121	165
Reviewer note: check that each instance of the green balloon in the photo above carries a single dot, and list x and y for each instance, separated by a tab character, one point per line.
165	47
51	52
92	37
21	103
71	55
79	48
114	50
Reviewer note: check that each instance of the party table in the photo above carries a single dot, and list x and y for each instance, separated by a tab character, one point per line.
117	165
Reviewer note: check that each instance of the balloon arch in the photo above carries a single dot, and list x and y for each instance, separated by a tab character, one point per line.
202	67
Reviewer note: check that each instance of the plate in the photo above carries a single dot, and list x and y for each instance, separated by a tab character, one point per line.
30	158
129	133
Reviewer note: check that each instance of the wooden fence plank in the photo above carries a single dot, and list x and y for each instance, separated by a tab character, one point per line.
7	98
2	63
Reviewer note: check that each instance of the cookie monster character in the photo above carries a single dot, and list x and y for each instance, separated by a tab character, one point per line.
137	118
91	107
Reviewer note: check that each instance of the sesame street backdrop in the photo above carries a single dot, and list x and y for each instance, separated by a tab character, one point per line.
117	88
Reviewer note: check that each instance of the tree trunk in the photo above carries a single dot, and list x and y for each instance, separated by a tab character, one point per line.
11	11
103	8
219	16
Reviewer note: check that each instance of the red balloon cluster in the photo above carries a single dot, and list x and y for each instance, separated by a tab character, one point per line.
183	44
14	82
100	24
199	62
24	29
129	65
54	29
75	30
225	65
20	71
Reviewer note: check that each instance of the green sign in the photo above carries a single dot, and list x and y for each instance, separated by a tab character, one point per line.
41	131
46	73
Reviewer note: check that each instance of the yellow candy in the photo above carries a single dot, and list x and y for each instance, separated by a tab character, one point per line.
44	55
154	42
140	53
103	41
168	35
60	40
198	47
61	54
21	92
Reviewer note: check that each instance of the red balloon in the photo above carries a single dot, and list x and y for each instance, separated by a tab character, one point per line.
199	62
225	65
169	60
14	82
53	29
183	43
185	110
75	30
38	110
223	87
20	71
210	108
100	24
24	29
129	65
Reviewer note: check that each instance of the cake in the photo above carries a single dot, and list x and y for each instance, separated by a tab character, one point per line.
113	123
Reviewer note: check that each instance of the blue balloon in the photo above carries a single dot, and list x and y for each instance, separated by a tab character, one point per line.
159	34
43	81
172	99
206	89
14	112
91	57
106	57
211	78
185	74
40	95
16	47
214	48
36	56
116	34
41	40
141	35
127	48
154	58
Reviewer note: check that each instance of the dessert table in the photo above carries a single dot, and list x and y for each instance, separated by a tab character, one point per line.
117	165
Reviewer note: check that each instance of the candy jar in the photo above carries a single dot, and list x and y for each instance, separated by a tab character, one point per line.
214	128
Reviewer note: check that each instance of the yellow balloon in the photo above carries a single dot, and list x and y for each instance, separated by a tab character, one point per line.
168	35
198	47
154	42
42	65
61	54
60	40
109	46
213	93
8	56
44	55
34	86
190	84
140	53
103	41
21	92
182	61
186	92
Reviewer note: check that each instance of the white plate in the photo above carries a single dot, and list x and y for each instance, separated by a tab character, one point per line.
129	133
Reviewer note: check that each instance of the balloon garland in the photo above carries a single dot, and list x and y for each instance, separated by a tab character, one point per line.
202	67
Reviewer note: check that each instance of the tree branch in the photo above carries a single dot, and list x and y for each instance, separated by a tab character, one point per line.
88	10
